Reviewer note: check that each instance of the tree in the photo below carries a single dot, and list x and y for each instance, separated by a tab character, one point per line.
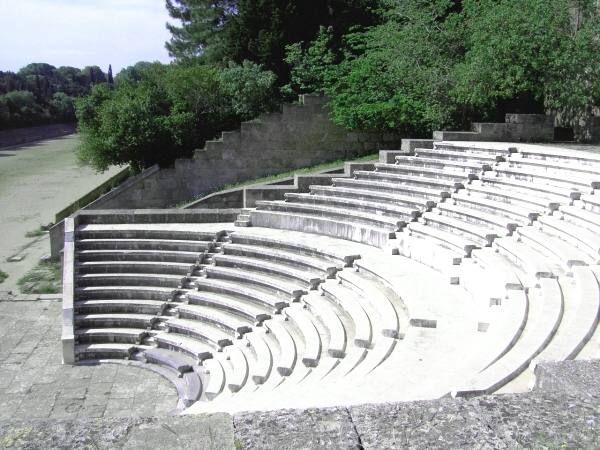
110	79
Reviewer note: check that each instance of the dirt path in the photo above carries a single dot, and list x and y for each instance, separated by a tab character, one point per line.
36	181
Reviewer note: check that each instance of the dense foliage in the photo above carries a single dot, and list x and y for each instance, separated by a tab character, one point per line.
156	113
40	93
444	63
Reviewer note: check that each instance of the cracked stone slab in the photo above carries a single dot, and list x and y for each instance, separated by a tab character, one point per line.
210	432
298	429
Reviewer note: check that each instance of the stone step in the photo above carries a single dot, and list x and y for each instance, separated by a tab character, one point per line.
501	268
157	267
591	202
309	248
357	232
580	217
287	357
445	239
144	231
236	368
266	300
185	344
130	279
586	240
388	322
544	318
552	193
436	184
413	203
476	148
224	320
307	279
518	215
104	350
115	320
312	340
501	225
397	210
216	378
352	304
211	335
139	306
138	245
565	254
110	335
427	172
332	212
480	235
563	167
138	255
566	182
502	193
321	307
534	264
230	303
457	155
278	286
576	333
125	292
319	266
382	187
466	165
263	364
560	155
174	360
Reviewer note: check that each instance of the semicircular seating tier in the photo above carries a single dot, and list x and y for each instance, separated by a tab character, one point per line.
452	271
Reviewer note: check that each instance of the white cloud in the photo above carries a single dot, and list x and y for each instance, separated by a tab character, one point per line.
82	32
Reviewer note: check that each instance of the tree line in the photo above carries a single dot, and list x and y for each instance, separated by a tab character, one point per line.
40	93
409	66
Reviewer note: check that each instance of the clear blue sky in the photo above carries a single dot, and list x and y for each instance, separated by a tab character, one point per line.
80	33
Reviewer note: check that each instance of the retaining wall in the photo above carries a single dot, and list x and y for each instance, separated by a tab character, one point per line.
300	135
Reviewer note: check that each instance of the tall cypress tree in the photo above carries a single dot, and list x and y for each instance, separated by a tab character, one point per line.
110	75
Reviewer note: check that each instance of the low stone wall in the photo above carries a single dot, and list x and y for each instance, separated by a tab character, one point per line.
300	135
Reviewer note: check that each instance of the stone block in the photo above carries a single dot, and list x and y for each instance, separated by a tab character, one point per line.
410	145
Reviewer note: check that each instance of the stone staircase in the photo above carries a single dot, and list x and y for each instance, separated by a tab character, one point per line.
452	270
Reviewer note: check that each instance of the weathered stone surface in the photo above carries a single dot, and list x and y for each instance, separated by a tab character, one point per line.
318	428
534	420
570	377
192	432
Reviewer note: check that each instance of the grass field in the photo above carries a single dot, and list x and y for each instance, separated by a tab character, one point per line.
36	181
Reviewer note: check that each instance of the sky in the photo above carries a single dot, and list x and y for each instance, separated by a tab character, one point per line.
82	33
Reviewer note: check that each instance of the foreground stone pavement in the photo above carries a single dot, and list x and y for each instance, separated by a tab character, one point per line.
35	384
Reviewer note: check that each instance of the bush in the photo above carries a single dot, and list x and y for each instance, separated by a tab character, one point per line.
168	112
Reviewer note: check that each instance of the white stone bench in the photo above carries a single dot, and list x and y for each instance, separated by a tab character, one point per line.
259	297
144	231
581	217
388	322
130	279
115	320
456	155
350	302
216	378
554	194
544	318
517	214
326	311
481	236
223	319
441	184
176	361
563	167
121	335
465	165
288	352
585	239
125	292
171	256
213	336
566	254
104	350
278	286
530	261
185	344
312	339
499	266
229	303
590	202
284	258
497	223
382	187
503	193
126	245
306	278
427	172
236	372
573	336
451	241
407	213
357	232
263	364
476	148
140	306
158	267
569	182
